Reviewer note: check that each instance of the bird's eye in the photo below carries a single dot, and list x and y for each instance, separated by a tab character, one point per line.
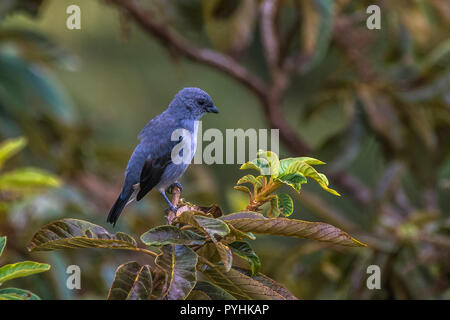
201	102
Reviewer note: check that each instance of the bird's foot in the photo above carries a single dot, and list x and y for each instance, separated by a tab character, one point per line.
173	185
172	208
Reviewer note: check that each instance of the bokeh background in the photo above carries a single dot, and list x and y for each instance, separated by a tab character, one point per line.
373	104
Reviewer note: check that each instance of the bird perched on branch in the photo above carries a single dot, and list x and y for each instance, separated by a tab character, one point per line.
167	146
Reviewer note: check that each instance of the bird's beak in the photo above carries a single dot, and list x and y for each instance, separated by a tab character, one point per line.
213	109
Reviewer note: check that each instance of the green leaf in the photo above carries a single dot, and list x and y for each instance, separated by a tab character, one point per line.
296	228
243	189
285	204
246	252
163	235
11	147
24	79
285	163
211	291
131	282
211	226
250	179
300	167
17	294
27	178
274	162
74	233
239	285
21	269
294	180
259	164
2	244
39	48
179	263
324	178
261	181
308	171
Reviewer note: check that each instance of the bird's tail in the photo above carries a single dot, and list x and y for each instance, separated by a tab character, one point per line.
117	208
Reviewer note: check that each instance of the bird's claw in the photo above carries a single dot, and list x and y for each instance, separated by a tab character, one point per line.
171	208
173	185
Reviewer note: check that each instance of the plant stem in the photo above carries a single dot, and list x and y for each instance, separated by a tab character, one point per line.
261	197
146	251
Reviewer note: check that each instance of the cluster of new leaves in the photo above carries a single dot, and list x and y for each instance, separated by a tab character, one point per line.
17	183
275	173
18	270
201	254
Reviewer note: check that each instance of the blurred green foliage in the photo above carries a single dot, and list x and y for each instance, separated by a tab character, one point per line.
371	103
18	270
19	183
14	186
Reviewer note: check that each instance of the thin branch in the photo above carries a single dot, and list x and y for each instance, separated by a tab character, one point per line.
169	38
269	35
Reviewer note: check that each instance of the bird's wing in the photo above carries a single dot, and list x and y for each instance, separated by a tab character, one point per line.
154	167
152	172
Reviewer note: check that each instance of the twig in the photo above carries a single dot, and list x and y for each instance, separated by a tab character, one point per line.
176	194
269	36
169	38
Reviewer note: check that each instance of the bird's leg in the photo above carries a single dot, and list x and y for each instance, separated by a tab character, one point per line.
173	185
171	206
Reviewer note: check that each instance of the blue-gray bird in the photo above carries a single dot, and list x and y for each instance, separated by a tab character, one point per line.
151	164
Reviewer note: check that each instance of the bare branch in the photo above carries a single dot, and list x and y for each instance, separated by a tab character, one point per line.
268	35
171	39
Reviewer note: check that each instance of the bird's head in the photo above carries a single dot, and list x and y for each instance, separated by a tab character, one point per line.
192	103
